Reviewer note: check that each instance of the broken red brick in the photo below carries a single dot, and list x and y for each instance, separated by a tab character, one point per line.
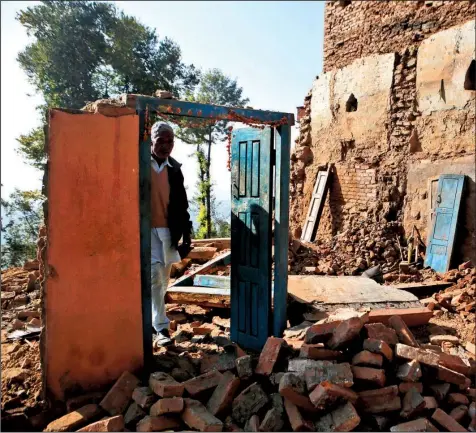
417	354
320	333
202	383
327	393
82	400
196	416
269	356
293	388
430	403
157	423
410	371
74	420
223	394
412	403
404	387
454	363
338	374
440	390
381	332
295	418
459	413
317	352
204	329
367	358
456	398
272	421
118	397
411	316
447	375
417	425
403	332
380	400
447	421
144	397
111	424
164	385
345	332
378	346
343	419
248	402
166	406
368	374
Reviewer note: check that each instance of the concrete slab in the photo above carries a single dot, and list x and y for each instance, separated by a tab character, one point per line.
343	290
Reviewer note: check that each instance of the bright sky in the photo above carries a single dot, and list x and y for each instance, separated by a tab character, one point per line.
273	49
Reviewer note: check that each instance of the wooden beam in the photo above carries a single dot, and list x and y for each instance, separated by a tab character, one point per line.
203	296
221	282
204	111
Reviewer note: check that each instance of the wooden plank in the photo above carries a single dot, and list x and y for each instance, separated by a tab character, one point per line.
281	229
411	316
145	241
423	289
193	109
187	280
203	296
316	205
220	282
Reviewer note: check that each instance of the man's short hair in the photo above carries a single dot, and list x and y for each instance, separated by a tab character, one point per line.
159	127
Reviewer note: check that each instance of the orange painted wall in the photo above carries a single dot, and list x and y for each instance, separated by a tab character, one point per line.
93	293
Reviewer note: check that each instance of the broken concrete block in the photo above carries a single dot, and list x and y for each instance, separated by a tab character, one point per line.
167	406
252	425
223	394
409	372
404	334
417	425
244	367
326	393
74	420
412	403
380	400
368	358
367	374
164	385
144	397
196	416
381	332
456	398
447	421
119	396
380	347
134	414
338	374
345	332
203	329
157	423
343	419
269	356
111	424
202	383
248	402
293	388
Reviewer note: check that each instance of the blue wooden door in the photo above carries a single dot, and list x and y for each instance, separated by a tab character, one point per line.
251	201
443	224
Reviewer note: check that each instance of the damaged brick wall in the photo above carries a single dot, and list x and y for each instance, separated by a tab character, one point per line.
401	96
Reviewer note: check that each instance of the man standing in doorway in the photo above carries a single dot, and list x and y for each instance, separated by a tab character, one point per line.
170	222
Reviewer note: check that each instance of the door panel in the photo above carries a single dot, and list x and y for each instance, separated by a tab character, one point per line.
251	166
444	221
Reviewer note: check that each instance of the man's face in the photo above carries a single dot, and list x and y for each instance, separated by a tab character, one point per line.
162	147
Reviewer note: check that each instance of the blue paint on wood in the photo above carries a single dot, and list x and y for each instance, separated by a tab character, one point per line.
144	221
252	185
193	109
445	218
281	230
217	281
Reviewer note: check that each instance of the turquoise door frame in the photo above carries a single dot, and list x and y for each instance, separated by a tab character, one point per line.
282	141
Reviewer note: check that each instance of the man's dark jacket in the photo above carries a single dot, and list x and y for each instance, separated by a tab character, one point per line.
178	217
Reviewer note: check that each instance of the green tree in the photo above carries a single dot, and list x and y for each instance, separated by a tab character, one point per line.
22	214
219	89
86	50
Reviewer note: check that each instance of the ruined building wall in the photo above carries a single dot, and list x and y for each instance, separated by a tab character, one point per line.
394	98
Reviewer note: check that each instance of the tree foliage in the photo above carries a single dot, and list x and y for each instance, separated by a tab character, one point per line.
22	215
215	88
86	50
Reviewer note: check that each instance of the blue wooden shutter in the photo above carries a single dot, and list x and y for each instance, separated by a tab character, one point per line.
251	179
443	224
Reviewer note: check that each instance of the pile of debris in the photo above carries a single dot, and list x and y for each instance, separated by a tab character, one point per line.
351	252
334	375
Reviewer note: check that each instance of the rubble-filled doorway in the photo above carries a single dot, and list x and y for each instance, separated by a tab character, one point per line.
280	123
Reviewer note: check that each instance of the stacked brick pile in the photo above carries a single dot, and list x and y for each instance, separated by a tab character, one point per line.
19	285
342	375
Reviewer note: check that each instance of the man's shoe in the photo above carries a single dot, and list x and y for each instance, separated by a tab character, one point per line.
162	340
